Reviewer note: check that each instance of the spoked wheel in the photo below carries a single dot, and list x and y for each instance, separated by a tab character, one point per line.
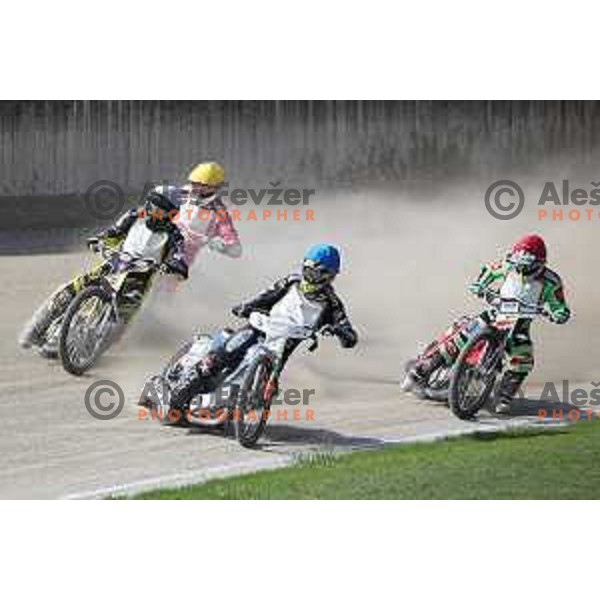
85	331
436	387
183	350
475	373
148	398
438	384
49	348
254	401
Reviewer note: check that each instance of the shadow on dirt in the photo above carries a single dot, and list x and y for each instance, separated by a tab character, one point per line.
534	407
277	435
293	435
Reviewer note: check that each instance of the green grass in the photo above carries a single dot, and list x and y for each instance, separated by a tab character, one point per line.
527	464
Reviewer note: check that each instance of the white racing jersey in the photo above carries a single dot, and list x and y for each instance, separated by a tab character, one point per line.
297	308
525	289
142	242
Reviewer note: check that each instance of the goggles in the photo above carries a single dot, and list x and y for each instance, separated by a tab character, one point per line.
316	274
525	262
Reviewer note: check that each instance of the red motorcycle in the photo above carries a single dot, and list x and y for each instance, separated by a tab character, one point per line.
481	361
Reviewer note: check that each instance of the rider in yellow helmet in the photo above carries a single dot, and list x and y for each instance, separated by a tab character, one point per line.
206	178
204	219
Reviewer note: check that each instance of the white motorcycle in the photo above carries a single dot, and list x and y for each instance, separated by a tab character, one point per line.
240	395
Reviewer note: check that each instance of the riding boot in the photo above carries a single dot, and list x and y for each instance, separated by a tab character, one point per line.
418	377
507	388
424	368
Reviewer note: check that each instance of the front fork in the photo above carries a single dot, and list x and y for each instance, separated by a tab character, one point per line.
494	362
111	321
272	387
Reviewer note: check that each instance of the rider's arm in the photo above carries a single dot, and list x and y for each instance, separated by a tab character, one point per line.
119	229
553	297
174	256
341	326
268	297
223	237
490	274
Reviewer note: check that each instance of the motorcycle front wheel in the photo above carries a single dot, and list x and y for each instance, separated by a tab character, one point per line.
253	403
475	373
86	328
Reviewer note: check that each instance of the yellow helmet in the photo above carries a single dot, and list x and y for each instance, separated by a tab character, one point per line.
209	173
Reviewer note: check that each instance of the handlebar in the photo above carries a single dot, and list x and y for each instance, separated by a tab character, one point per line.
325	331
494	299
99	247
261	320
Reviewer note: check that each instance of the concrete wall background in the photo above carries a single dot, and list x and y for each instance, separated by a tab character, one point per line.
51	152
61	148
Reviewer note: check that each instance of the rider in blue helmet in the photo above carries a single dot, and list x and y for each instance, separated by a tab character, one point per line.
326	255
320	266
308	297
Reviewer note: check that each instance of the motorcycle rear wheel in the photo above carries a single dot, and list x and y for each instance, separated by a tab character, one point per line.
148	399
436	387
180	401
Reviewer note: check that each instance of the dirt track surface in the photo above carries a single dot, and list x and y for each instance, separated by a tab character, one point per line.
405	272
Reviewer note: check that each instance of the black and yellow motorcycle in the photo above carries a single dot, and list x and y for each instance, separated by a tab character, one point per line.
99	313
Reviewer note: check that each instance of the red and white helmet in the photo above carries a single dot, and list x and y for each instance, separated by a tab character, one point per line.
528	255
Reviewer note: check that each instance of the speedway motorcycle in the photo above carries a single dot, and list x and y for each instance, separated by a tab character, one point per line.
480	364
98	314
240	395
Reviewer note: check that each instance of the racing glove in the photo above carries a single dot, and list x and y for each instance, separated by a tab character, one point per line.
344	332
483	292
477	289
176	266
216	244
241	310
93	243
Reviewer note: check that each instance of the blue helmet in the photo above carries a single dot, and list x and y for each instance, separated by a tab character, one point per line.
324	255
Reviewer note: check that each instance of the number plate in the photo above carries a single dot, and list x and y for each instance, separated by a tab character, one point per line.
509	307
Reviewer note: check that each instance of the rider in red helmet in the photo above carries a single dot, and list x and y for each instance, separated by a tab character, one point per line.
523	274
528	255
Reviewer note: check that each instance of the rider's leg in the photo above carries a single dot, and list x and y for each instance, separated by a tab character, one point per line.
443	354
418	375
133	297
228	351
432	362
521	361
